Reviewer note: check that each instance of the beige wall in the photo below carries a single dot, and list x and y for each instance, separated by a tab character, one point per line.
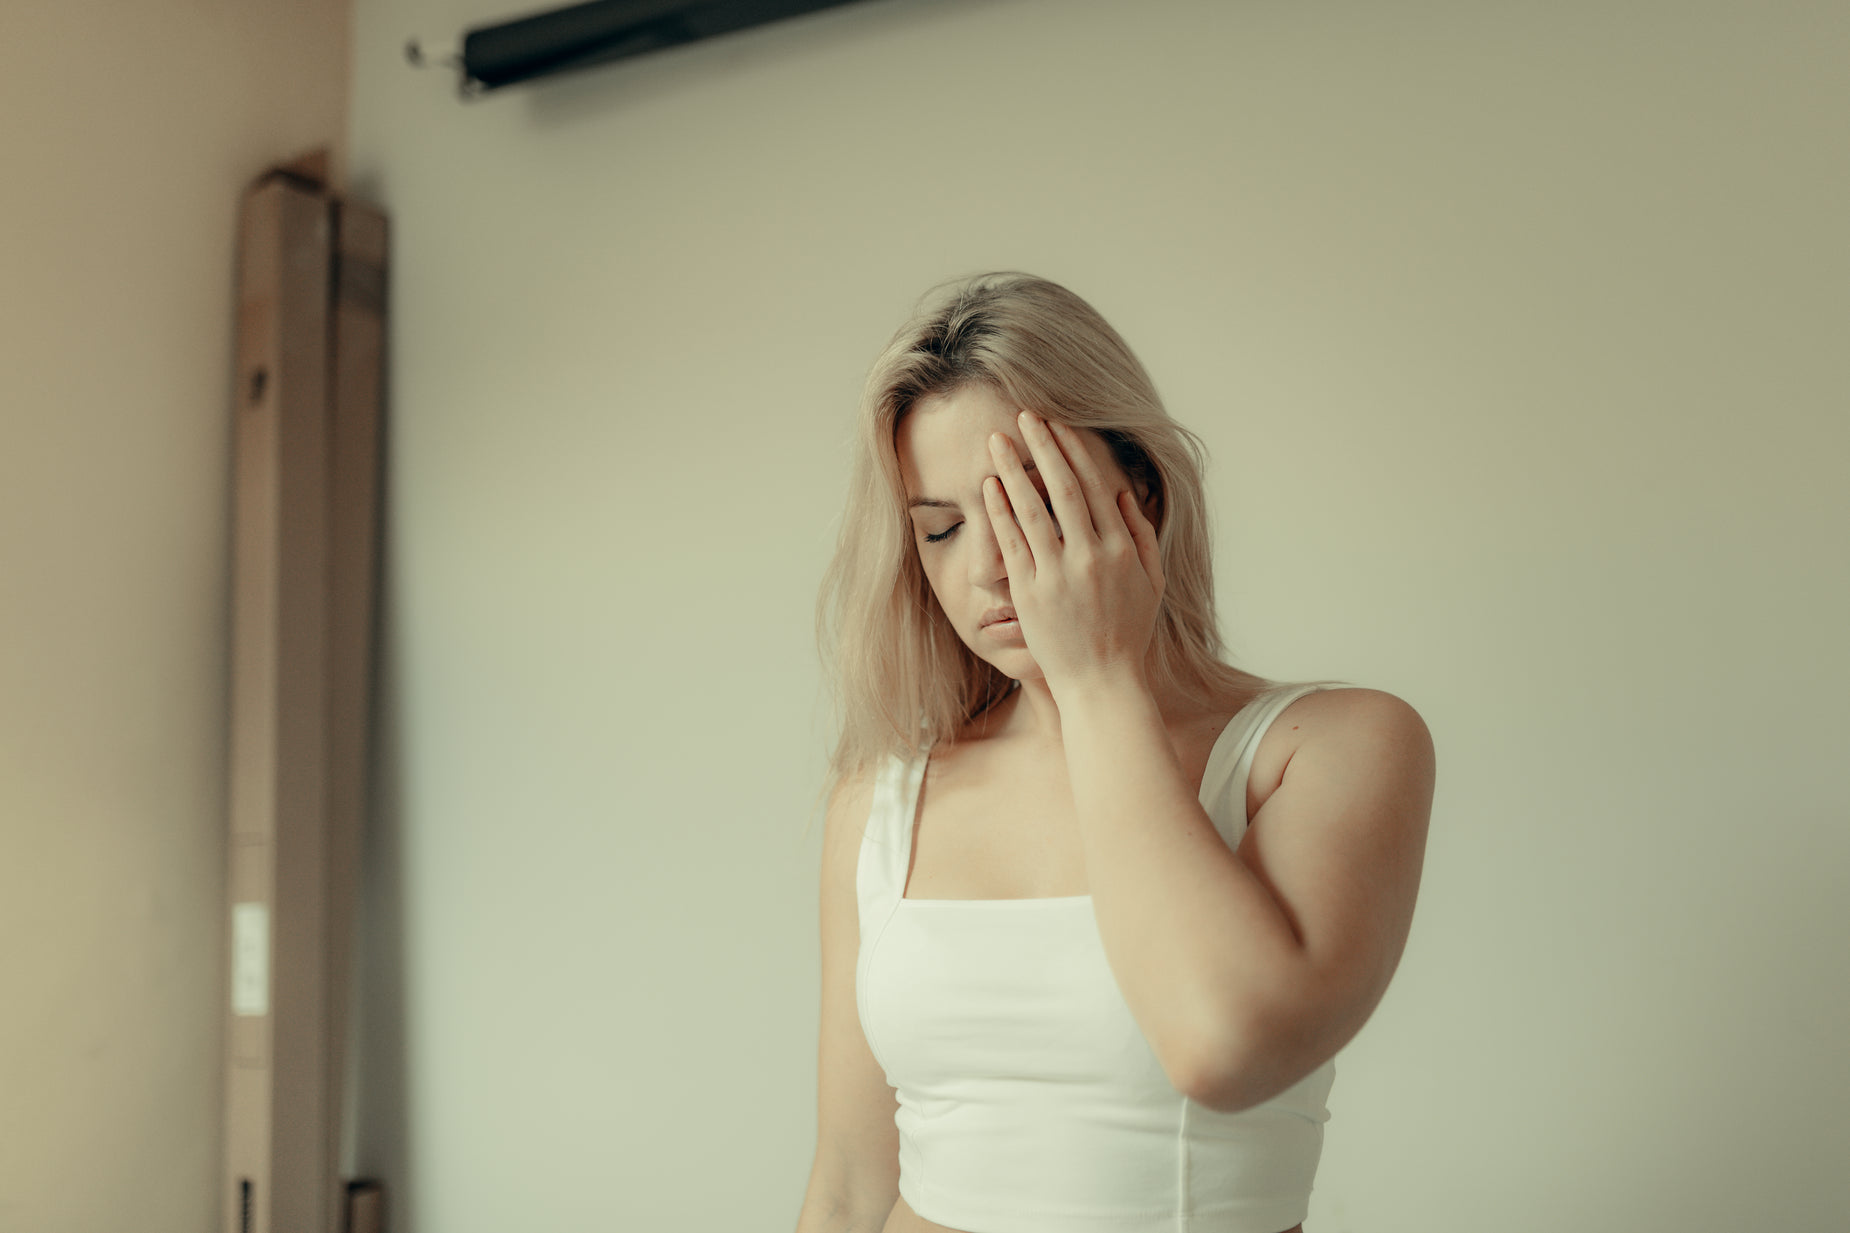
1516	332
129	131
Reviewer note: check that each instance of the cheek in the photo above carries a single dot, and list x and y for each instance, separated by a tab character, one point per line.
934	575
932	580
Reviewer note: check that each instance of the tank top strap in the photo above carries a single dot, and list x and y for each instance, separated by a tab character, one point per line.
1230	769
886	845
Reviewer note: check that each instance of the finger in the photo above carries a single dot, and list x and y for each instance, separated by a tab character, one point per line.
1060	460
1015	554
1143	532
1023	501
1100	501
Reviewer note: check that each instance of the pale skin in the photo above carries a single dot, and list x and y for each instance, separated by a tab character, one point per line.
949	436
1246	969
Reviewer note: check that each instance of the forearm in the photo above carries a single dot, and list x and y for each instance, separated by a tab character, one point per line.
1185	926
828	1207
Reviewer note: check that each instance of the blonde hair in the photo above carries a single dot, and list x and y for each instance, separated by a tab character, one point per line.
899	673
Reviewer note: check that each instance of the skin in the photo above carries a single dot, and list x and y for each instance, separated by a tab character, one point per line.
944	452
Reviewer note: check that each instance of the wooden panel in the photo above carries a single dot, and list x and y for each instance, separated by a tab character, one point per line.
305	522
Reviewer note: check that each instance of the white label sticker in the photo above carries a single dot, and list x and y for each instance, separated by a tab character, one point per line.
250	959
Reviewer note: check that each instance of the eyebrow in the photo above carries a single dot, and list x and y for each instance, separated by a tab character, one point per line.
1027	465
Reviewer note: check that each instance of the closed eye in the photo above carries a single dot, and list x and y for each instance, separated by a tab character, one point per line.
945	534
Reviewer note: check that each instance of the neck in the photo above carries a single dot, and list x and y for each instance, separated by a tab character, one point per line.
1029	714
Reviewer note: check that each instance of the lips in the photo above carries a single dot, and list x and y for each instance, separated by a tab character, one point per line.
1004	613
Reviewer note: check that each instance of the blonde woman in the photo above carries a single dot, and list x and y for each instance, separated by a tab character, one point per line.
1098	909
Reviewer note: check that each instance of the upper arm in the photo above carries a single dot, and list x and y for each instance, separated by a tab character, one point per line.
857	1139
1339	844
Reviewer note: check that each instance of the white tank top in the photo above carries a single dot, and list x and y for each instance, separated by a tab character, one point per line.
1029	1099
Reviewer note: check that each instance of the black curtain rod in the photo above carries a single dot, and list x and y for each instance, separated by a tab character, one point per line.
599	32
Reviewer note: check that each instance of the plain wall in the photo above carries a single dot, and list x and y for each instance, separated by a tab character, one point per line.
1516	333
130	132
1516	338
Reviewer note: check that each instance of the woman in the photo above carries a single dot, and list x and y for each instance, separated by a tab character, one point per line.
1098	909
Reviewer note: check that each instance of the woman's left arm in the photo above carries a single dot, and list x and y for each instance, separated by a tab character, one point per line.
1251	968
1245	969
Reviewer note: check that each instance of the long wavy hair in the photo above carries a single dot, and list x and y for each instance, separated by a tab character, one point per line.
899	674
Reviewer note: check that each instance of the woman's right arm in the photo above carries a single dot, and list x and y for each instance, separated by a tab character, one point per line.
821	1214
854	1181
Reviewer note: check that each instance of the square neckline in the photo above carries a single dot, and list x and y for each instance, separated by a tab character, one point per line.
912	826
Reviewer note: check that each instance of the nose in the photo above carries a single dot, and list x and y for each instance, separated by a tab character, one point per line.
987	568
986	563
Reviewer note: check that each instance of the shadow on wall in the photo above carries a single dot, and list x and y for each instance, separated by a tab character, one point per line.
377	1143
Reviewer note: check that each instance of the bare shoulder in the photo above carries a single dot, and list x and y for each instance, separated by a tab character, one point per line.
1354	713
1359	725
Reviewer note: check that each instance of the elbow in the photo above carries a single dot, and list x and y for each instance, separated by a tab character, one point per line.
1226	1092
1221	1077
1239	1075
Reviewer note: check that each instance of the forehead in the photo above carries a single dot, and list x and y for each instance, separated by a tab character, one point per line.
943	443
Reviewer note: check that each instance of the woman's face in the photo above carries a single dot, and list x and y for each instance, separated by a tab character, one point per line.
943	446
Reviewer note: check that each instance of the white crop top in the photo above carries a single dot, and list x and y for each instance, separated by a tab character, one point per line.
1029	1099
